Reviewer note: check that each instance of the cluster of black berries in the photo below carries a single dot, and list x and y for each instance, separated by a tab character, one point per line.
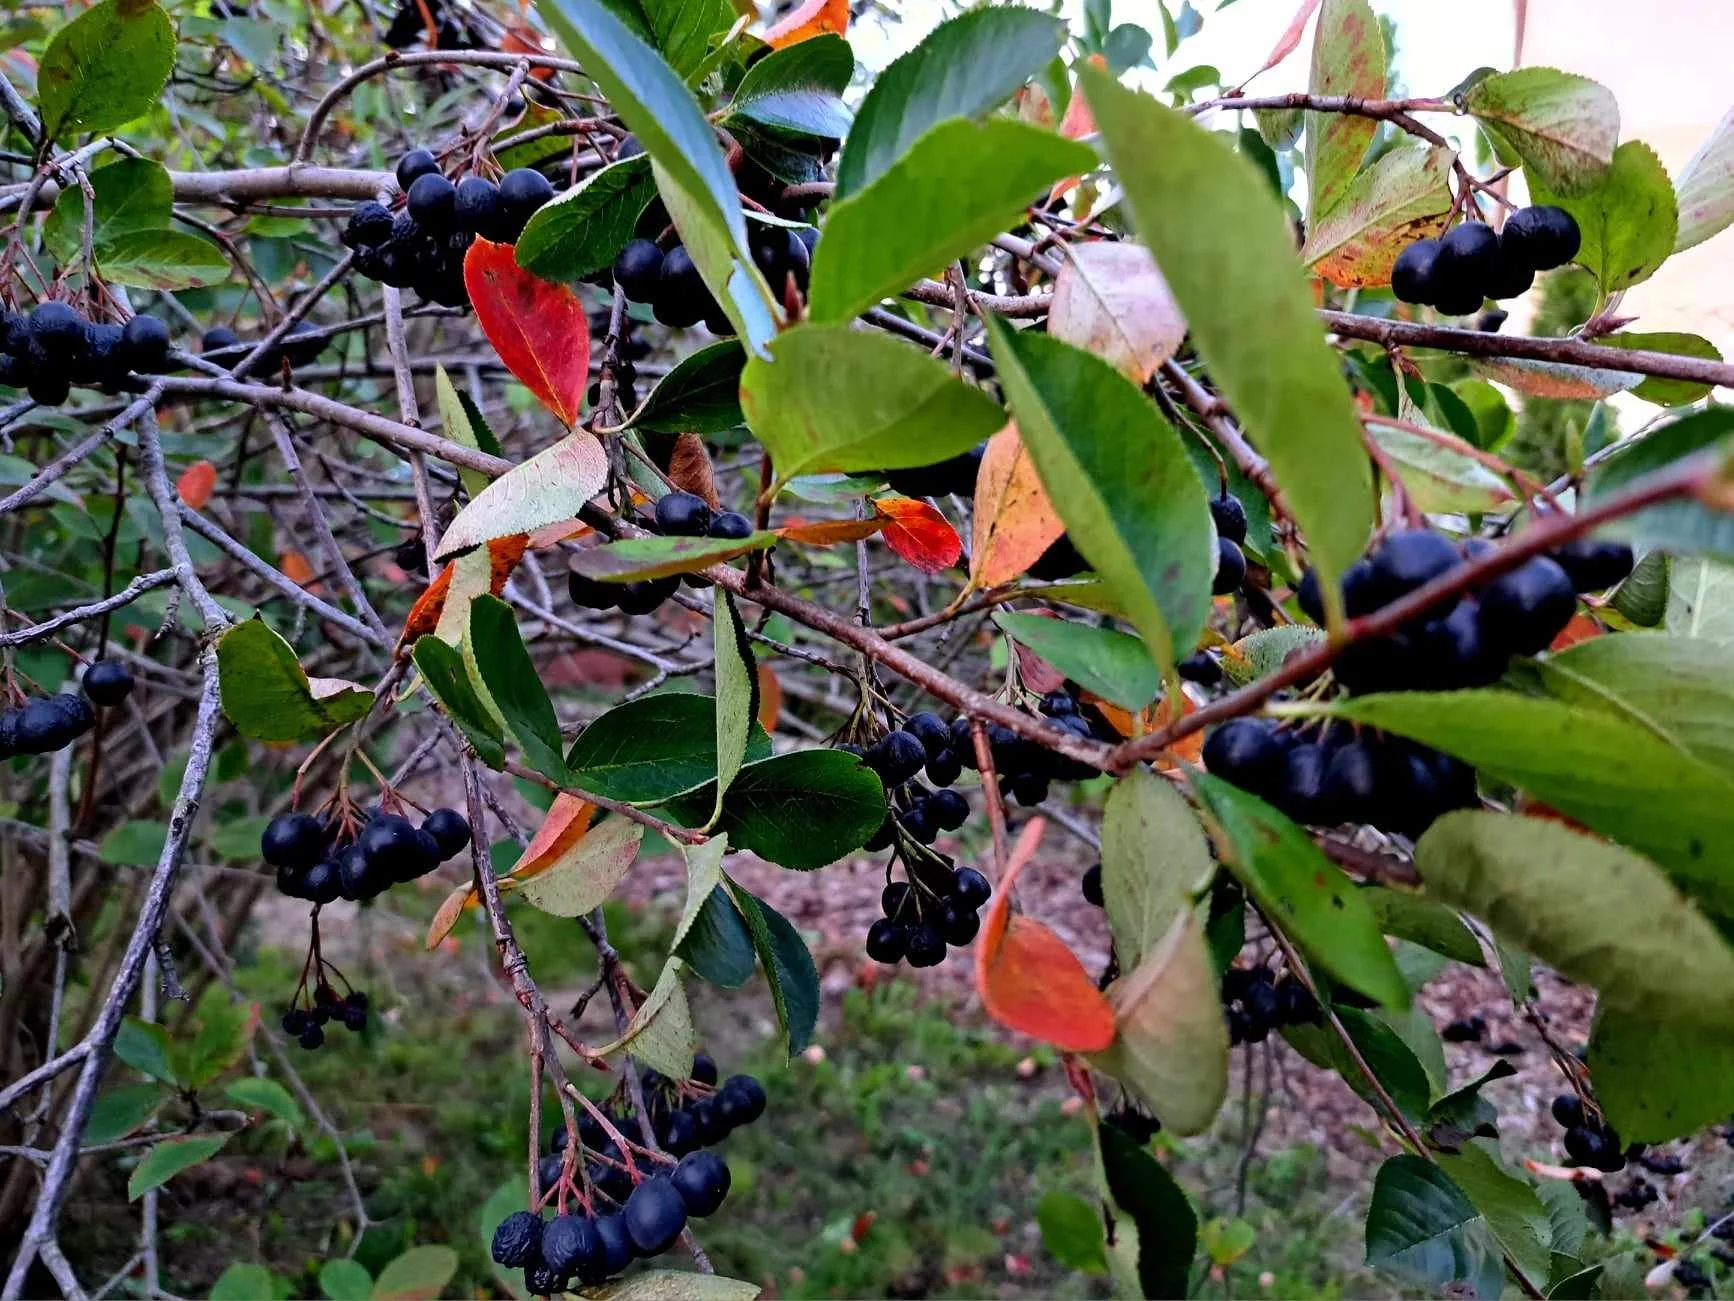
938	906
52	723
653	1207
1468	642
1589	1140
1473	262
423	246
299	346
55	347
325	861
307	1024
678	515
1255	1002
954	475
1636	1195
678	296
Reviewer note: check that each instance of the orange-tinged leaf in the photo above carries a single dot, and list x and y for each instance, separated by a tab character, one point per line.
503	557
521	38
450	910
1014	519
918	532
539	329
1110	299
689	468
1290	39
424	615
550	535
770	698
196	484
567	821
813	18
1029	981
298	569
826	532
1581	628
1078	122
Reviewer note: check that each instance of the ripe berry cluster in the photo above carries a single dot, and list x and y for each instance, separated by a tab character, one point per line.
423	246
323	861
1473	262
678	296
1589	1140
596	1243
1469	641
938	906
1255	1002
678	515
55	347
307	1025
300	346
52	723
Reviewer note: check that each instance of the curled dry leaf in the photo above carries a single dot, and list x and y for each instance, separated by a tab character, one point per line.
691	470
450	909
770	698
567	821
1014	519
918	532
826	532
196	484
539	329
1110	299
813	18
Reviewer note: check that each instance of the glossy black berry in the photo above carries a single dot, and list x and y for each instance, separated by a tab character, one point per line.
1410	559
1568	1110
1304	795
450	831
1060	560
1413	276
1201	667
1246	751
955	474
925	946
1230	568
414	165
433	202
1595	1147
1592	564
918	824
1468	256
654	1215
1230	517
730	524
591	593
390	844
682	515
779	253
522	191
944	768
359	876
1545	236
568	1243
144	345
638	269
1352	781
1512	275
1295	1003
1453	652
475	205
681	297
1524	610
958	924
518	1239
107	682
931	730
615	1244
294	1022
887	940
740	1101
312	1036
948	810
323	882
970	888
702	1180
896	757
57	329
292	840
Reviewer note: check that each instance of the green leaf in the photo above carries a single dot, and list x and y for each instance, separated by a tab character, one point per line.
1685	526
443	672
551	486
224	1030
1422	1229
1466	1111
1704	189
505	677
788	967
1424	922
1402	197
168	1158
120	1110
1155	1231
1439	480
1109	663
805	809
1262	653
460	427
1514	1213
1072	1231
834	398
1598	913
1348	59
1301	890
956	186
797	89
131	194
965	67
105	67
718	945
701	394
256	1093
1628	219
419	1274
268	697
1659	1078
237	839
1119	476
580	232
1607	774
737	694
1493	418
1554	379
1390	1056
1667	392
244	1283
1223	244
703	875
633	559
586	875
162	259
134	844
1643	597
673	1285
1679	688
660	1034
652	749
1701	598
1171	1049
1155	858
1580	1285
681	32
144	1046
1562	126
346	1280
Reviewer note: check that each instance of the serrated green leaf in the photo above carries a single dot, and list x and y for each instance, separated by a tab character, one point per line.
506	682
1423	1229
134	844
168	1159
1155	1228
652	749
1658	1077
105	67
131	194
1562	126
162	259
1514	1213
717	943
443	672
1683	526
585	877
1155	857
1402	197
1439	479
634	559
737	694
1667	392
1628	219
238	839
660	1033
798	89
144	1046
805	809
1348	59
120	1110
1643	596
1424	922
268	697
1111	664
700	394
1259	654
1072	1231
551	486
256	1093
580	232
788	966
456	422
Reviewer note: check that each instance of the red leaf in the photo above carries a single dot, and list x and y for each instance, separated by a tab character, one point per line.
539	329
196	484
825	532
1029	980
814	18
919	533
